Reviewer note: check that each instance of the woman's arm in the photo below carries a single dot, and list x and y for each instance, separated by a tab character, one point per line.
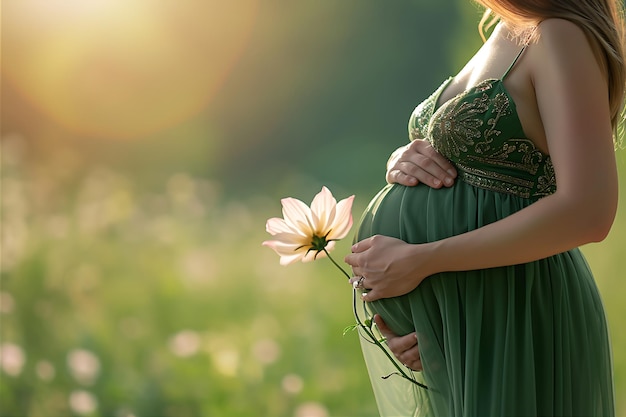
572	97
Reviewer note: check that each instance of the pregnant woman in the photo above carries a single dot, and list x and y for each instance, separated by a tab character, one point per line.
486	271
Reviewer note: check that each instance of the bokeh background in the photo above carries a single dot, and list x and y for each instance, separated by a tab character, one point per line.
145	143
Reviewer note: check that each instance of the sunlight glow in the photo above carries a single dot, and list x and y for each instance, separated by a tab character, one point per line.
120	69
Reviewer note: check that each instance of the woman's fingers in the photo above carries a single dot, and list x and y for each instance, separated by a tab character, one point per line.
414	364
424	147
371	295
396	176
383	328
420	162
409	356
428	169
354	258
404	348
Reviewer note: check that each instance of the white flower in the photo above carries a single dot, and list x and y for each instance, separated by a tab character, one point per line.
45	370
83	402
304	233
84	366
185	343
12	358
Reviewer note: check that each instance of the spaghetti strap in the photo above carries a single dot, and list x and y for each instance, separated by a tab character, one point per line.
514	62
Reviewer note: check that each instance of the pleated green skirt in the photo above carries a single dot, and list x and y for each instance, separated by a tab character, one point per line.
522	340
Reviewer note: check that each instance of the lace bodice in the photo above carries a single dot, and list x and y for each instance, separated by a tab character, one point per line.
479	131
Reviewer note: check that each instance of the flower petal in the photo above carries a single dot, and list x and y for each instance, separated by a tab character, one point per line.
342	221
304	228
288	253
289	238
323	211
297	215
276	225
288	260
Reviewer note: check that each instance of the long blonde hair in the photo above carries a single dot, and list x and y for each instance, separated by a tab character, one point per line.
601	20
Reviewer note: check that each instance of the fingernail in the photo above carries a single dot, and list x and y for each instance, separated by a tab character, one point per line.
448	181
452	173
437	183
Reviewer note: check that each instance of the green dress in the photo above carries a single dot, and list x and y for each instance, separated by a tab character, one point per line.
521	340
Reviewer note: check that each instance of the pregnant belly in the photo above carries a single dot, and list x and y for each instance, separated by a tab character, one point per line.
421	214
414	214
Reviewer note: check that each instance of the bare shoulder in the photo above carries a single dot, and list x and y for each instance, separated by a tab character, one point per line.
561	37
563	46
555	28
570	84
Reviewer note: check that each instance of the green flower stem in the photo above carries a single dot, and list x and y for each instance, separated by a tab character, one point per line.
368	330
336	264
374	339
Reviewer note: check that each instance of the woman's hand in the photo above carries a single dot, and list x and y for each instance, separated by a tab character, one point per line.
390	266
419	162
404	348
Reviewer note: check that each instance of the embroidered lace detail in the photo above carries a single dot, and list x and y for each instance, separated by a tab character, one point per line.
546	183
458	127
479	131
495	181
418	123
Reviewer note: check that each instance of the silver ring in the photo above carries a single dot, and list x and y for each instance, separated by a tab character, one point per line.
359	283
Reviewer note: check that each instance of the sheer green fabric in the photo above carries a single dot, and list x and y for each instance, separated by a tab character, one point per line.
521	340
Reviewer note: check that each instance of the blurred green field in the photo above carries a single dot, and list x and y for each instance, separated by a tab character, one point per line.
169	303
121	303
